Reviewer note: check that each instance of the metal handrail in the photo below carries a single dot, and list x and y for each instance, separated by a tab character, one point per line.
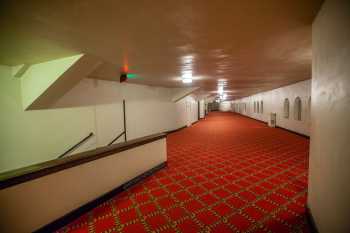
76	145
116	138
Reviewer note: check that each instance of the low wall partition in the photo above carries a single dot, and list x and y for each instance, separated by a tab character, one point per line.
44	196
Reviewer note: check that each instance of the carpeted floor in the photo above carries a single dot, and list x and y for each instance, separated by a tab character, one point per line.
226	173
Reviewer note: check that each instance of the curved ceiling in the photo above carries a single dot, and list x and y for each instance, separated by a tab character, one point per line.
254	45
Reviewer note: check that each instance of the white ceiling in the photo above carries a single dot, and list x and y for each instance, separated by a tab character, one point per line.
255	45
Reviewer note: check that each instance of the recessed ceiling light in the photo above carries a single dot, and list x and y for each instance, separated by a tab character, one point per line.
187	75
187	80
220	89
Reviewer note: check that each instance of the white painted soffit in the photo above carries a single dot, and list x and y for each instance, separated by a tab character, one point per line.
180	93
44	83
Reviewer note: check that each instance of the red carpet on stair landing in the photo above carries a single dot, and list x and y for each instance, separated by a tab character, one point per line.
226	173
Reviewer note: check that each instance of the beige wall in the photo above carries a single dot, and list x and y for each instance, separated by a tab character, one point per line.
273	102
329	177
27	207
29	137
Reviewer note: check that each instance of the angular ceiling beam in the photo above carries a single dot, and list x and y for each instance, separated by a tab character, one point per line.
181	93
18	71
44	83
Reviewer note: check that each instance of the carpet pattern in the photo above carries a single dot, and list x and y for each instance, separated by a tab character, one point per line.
226	173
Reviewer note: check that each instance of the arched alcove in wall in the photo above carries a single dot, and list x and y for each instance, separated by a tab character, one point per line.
297	109
309	107
254	106
286	108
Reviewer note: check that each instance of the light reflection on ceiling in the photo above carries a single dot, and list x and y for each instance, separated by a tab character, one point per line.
254	45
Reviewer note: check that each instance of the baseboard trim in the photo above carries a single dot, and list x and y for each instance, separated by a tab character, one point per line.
311	220
196	122
261	121
66	219
175	130
279	127
291	131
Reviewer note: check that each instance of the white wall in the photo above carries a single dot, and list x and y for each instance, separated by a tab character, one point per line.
273	102
29	137
149	109
186	111
329	176
202	109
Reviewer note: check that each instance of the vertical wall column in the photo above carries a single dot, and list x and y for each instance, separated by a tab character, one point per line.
329	189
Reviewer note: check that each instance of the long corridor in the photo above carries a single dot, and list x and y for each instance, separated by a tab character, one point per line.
226	173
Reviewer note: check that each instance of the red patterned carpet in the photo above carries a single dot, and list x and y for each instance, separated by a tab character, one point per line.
226	173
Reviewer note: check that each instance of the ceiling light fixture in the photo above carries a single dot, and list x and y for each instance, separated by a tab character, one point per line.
187	80
220	90
187	76
187	66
